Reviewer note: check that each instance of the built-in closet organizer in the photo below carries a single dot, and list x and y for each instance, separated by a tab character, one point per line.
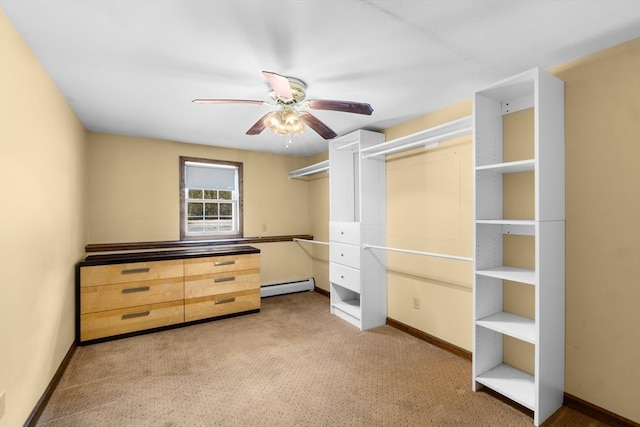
505	183
126	293
357	215
357	231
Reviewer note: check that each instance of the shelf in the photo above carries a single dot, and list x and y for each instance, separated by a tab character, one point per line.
510	167
310	170
512	383
523	227
428	137
350	306
516	87
510	273
509	324
527	222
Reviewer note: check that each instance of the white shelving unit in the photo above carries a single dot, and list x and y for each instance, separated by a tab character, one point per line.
541	392
357	215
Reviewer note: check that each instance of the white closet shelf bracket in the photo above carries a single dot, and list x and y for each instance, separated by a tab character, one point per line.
421	253
311	241
310	170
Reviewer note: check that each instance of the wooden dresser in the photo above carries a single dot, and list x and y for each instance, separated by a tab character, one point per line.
124	294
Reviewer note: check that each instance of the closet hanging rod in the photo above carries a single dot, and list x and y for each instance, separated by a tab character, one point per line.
425	141
310	170
311	241
409	251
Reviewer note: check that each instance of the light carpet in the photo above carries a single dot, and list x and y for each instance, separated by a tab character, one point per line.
292	364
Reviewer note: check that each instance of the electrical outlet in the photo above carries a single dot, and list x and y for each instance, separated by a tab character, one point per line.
416	303
1	405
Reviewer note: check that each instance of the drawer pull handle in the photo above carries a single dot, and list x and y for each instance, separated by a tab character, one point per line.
217	263
138	289
134	315
136	270
342	277
224	300
341	254
224	279
342	232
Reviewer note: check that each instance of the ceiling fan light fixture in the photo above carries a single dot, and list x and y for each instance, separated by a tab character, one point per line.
293	123
285	123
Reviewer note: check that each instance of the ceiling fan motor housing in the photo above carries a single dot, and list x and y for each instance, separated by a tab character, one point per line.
298	90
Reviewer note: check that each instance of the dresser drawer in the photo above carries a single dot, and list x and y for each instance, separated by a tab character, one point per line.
133	272
346	277
345	232
221	283
122	295
345	254
222	304
220	264
132	319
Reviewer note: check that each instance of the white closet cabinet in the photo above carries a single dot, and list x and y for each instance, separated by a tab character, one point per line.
541	392
357	216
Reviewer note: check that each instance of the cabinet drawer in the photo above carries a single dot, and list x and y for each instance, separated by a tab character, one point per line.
132	272
345	232
221	283
220	264
222	304
122	295
346	277
345	254
132	319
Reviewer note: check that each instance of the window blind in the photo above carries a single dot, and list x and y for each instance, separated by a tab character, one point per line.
209	177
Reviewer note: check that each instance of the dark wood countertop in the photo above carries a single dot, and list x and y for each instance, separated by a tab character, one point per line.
122	258
176	244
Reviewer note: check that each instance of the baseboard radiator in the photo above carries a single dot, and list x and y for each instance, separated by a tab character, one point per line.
287	288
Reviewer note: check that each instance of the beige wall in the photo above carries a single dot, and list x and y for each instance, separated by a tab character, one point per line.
429	208
42	229
133	196
602	120
319	222
519	251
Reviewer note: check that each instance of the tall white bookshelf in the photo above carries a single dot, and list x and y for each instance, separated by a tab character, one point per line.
541	390
357	211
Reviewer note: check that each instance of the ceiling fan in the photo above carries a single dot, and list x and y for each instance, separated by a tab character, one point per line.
289	94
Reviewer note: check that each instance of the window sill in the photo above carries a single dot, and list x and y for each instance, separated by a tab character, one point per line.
109	247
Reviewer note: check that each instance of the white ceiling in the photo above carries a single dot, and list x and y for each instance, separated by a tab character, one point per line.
133	67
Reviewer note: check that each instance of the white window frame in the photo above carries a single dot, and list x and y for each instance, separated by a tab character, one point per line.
236	201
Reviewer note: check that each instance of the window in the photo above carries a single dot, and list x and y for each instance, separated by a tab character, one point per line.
210	199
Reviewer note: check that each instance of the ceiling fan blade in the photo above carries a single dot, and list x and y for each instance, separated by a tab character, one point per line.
315	124
226	101
346	106
279	84
259	126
